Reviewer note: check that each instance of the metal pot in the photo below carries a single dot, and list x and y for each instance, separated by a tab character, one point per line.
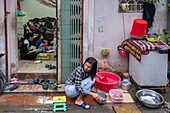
125	84
103	97
150	98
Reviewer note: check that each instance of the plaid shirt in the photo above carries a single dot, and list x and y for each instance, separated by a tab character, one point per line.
75	78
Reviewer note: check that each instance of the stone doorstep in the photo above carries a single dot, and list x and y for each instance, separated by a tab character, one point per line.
29	77
34	89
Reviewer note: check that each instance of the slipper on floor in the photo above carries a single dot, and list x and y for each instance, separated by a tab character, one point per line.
7	86
15	86
84	105
14	82
46	84
36	81
14	79
53	87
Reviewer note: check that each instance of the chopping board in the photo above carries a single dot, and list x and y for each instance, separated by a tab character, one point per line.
126	99
126	108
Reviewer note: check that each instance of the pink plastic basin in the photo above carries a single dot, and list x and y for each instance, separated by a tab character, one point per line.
112	82
116	95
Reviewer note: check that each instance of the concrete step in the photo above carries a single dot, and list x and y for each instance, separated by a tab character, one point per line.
34	89
27	78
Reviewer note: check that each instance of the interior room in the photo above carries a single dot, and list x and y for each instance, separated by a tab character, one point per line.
39	19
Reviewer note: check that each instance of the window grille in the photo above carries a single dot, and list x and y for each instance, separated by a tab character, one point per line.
130	6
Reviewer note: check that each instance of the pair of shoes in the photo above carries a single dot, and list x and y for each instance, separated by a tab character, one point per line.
50	66
84	105
10	87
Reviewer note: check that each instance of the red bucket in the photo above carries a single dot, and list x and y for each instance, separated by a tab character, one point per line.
139	28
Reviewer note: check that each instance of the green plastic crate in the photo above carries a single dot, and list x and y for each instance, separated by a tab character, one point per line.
43	56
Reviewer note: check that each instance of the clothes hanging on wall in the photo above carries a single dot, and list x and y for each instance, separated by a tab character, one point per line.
149	13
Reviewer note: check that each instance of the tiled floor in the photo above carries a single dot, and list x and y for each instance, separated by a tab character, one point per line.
37	99
35	94
32	94
16	102
28	66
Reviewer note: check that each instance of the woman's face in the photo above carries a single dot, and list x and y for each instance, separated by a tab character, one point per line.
87	67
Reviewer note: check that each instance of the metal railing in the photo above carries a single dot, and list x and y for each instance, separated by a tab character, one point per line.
131	6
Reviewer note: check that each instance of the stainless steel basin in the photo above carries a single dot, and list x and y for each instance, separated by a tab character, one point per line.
150	98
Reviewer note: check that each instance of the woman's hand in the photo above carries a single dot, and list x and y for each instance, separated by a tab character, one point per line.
37	50
95	95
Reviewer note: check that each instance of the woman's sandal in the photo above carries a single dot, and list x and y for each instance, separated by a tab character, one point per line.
84	105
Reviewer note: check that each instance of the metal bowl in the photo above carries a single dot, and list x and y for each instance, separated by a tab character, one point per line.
150	98
125	84
103	98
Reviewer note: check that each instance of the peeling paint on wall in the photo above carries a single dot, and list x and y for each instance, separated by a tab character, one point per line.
100	23
1	23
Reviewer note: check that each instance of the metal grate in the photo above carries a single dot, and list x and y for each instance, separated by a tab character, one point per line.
75	33
130	6
71	21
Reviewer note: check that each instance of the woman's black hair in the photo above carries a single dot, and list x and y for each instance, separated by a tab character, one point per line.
93	62
28	23
28	35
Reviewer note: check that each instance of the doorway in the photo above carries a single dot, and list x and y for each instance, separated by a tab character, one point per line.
44	14
70	41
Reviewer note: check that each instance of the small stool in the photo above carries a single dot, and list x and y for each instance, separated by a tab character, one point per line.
59	103
59	106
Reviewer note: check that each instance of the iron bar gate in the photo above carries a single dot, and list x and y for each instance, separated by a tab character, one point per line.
71	22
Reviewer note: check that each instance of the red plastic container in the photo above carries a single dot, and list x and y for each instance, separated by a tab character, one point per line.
113	81
139	27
